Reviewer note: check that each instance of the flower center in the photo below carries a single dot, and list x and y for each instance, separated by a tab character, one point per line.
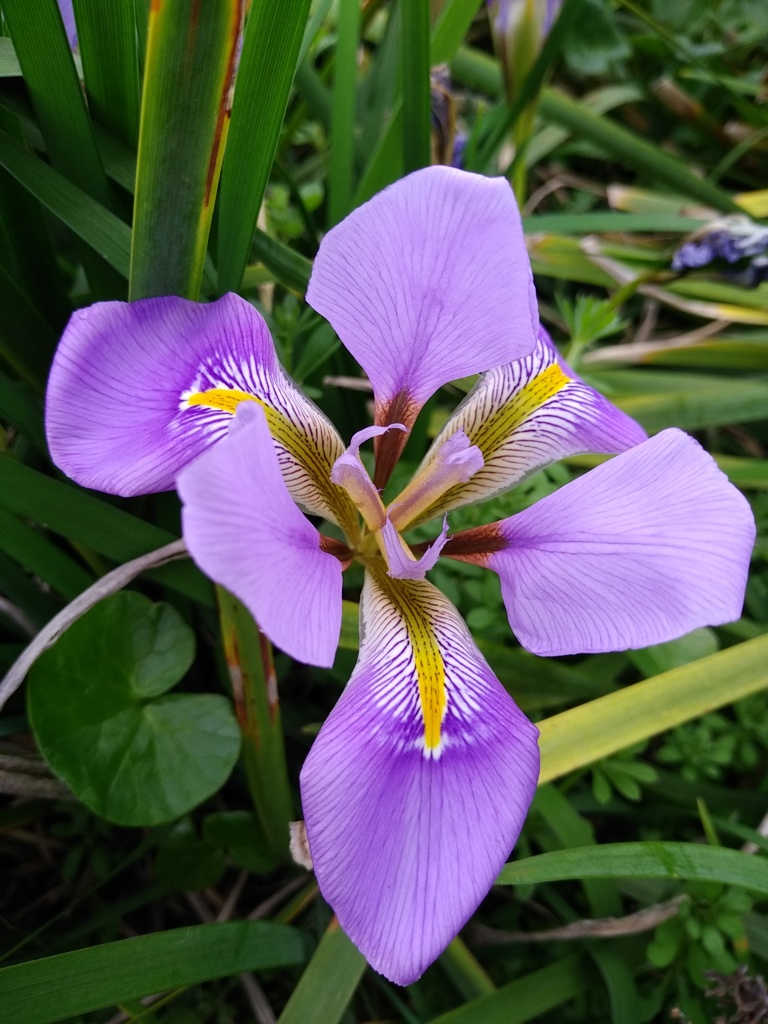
455	462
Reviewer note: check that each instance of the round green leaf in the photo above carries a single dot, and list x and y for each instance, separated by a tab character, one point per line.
131	755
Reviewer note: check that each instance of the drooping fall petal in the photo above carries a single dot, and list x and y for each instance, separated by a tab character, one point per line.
640	550
244	531
521	417
416	788
427	282
137	390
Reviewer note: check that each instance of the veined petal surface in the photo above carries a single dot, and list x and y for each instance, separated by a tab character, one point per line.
640	550
418	784
523	416
137	390
427	282
244	531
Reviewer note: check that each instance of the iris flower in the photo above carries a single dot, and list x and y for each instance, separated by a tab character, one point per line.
418	783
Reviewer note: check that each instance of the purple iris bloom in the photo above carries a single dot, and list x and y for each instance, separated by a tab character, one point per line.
418	784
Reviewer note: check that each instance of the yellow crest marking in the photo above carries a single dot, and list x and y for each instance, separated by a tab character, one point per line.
492	434
296	442
226	399
428	661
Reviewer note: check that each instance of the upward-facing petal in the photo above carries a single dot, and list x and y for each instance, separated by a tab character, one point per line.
137	390
417	786
244	531
521	417
640	550
427	282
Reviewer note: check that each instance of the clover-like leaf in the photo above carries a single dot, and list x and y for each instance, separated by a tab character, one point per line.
105	723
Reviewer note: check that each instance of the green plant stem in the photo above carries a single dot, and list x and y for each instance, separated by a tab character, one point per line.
254	689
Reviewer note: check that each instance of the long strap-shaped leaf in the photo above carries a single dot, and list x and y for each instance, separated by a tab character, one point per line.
59	987
108	48
328	983
270	48
190	62
598	729
689	861
525	998
104	232
49	73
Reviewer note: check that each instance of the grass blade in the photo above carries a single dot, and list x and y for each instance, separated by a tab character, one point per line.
386	161
624	145
26	340
70	984
414	48
341	170
42	557
525	998
95	524
689	861
660	399
288	267
272	40
328	983
97	226
49	73
27	250
108	48
531	87
450	29
601	727
190	62
254	690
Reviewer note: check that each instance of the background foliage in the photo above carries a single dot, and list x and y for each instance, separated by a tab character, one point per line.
146	875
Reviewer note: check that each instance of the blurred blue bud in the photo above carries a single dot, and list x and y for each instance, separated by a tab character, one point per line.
732	240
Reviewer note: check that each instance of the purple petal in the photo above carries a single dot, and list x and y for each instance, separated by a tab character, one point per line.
402	567
244	531
455	462
126	407
427	282
640	550
367	433
68	17
349	472
523	416
407	837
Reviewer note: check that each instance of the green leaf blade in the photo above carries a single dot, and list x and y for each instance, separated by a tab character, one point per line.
107	43
105	233
190	62
601	727
328	983
63	986
688	861
271	45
